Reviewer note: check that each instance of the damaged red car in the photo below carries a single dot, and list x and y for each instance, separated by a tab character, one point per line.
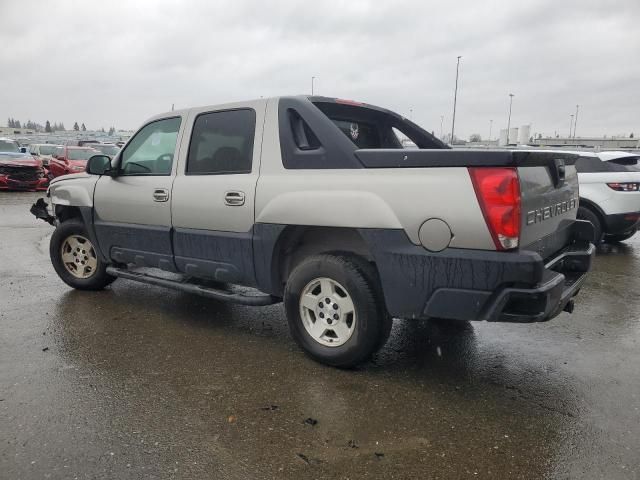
68	160
20	171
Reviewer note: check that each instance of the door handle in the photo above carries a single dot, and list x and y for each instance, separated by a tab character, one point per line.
234	198
160	195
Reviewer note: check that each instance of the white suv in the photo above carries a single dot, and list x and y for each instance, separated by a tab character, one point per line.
610	193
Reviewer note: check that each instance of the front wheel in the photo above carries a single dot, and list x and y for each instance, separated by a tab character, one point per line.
335	309
75	259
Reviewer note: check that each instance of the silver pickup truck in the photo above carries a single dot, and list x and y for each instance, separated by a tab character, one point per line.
313	201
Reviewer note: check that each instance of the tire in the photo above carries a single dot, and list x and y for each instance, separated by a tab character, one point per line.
585	213
71	235
621	237
360	324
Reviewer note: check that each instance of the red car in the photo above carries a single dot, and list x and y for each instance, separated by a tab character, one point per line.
70	160
21	172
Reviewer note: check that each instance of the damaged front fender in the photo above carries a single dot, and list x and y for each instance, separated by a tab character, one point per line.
40	210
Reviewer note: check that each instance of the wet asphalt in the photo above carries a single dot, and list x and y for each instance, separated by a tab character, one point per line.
140	382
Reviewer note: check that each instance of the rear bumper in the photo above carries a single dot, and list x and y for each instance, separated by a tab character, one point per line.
462	284
562	279
621	223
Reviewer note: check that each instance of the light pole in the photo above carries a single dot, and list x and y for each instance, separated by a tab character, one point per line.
312	80
441	131
490	126
455	100
571	125
511	95
575	123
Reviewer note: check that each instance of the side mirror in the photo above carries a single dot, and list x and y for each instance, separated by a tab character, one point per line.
99	165
23	149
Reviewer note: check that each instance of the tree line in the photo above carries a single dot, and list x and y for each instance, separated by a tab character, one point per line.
50	127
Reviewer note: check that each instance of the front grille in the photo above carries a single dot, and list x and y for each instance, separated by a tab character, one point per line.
25	174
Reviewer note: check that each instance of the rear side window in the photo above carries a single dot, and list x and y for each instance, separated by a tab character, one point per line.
222	143
363	134
369	127
595	165
631	163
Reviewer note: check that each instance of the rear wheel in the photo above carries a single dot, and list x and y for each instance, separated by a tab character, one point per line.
621	237
585	213
335	310
75	259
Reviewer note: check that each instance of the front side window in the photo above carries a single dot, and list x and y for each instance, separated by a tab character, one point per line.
151	150
222	143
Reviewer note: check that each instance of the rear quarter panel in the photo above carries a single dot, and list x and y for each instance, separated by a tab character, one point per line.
593	187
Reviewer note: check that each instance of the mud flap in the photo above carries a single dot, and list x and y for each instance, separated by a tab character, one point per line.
39	210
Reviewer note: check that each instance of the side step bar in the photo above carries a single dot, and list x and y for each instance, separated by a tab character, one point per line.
217	294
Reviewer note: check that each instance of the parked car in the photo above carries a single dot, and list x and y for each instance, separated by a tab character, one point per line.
610	194
80	143
67	160
314	202
19	170
43	151
106	148
11	146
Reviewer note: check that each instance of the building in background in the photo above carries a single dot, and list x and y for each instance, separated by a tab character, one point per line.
525	135
513	137
502	140
597	143
10	131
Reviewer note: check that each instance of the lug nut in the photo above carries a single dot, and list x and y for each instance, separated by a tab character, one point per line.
336	316
321	315
329	321
321	305
335	306
328	301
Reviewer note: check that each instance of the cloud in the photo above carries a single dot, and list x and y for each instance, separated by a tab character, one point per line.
117	63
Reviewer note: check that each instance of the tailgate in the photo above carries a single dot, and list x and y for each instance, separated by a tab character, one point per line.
549	193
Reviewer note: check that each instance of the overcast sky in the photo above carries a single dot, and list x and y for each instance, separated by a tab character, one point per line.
118	62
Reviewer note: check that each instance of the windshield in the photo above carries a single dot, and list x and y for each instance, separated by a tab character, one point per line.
110	150
47	149
9	146
80	153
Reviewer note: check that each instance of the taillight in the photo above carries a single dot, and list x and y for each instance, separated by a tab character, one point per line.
624	187
498	192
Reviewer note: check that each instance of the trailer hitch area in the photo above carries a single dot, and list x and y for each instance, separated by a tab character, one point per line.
40	210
